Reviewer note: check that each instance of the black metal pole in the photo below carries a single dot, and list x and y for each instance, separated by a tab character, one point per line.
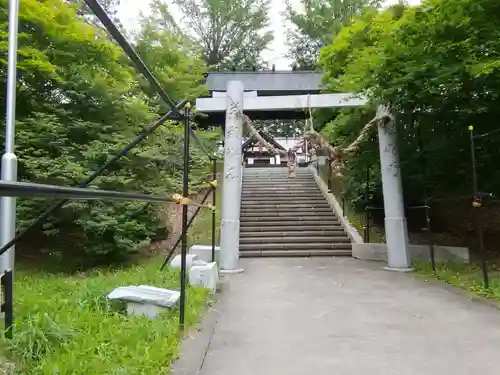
368	227
191	220
49	211
329	175
185	193
428	229
367	192
427	214
8	302
214	201
484	263
473	161
475	204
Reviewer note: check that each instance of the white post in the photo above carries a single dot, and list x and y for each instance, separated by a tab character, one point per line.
231	194
9	159
396	233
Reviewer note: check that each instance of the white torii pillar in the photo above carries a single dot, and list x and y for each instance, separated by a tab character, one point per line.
396	231
231	190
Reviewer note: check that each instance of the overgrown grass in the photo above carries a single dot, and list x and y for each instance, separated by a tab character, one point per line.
466	277
65	324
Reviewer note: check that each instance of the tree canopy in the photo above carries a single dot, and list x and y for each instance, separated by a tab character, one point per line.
438	65
79	101
230	33
315	23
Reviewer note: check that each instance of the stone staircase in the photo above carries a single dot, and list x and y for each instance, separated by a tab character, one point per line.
283	216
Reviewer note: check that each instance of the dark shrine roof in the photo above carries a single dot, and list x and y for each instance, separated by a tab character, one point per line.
250	141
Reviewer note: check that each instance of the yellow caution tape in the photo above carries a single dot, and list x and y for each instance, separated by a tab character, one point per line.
211	184
179	199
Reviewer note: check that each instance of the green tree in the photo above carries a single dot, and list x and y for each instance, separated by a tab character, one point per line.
316	24
438	66
110	6
79	102
231	33
175	60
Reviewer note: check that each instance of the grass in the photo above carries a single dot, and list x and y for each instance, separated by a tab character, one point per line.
468	277
65	324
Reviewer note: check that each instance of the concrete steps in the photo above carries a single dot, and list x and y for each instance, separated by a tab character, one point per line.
287	217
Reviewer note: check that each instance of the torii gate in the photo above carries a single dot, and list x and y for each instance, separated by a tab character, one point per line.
242	95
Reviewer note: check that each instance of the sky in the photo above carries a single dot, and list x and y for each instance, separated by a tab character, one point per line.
130	10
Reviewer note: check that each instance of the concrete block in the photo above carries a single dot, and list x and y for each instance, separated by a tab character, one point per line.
144	309
176	261
145	300
206	276
443	254
204	252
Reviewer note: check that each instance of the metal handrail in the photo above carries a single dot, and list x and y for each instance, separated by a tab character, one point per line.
30	189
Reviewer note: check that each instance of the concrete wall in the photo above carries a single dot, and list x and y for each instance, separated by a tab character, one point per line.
336	207
378	252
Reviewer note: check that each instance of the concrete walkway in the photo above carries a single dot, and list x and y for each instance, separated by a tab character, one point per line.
324	316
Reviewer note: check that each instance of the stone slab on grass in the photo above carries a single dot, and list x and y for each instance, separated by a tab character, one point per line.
145	300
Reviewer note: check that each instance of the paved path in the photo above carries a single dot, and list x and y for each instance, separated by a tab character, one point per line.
323	316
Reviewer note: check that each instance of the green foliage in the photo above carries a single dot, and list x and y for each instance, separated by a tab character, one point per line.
174	59
110	6
281	128
230	33
66	325
316	24
437	65
79	102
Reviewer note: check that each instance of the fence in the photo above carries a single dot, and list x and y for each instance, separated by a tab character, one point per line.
471	209
9	188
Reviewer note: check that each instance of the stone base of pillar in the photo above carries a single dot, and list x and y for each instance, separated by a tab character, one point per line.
230	245
398	253
230	272
399	269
